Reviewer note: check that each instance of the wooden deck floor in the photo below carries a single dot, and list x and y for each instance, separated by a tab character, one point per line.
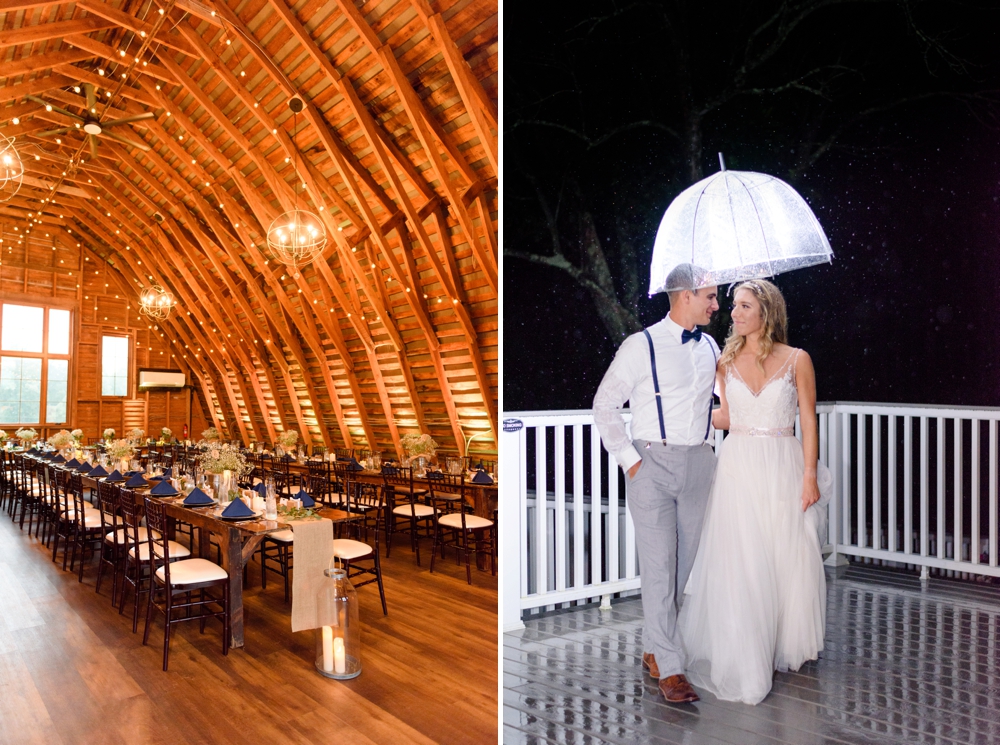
903	664
71	671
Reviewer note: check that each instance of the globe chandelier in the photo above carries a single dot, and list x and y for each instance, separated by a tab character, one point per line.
156	302
296	237
11	169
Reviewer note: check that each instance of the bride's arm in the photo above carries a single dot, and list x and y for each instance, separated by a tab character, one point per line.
720	416
805	381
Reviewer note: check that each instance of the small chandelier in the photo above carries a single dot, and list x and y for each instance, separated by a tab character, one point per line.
156	302
298	236
11	169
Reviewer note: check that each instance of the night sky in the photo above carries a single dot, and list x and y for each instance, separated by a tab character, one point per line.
909	197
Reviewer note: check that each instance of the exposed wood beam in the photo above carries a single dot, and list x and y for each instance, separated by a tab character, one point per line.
41	61
33	87
125	20
44	31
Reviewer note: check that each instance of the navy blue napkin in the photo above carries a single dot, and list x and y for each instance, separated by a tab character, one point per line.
261	489
97	472
482	477
354	465
168	473
58	459
133	473
72	463
286	457
84	467
136	481
307	501
197	497
163	489
237	508
115	477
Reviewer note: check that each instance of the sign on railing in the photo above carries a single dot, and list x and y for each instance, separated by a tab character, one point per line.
915	486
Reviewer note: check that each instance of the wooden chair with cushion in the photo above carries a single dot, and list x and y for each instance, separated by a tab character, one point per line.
180	586
88	524
138	567
357	554
406	510
459	528
113	532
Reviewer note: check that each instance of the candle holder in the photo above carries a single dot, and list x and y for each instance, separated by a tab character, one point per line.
338	638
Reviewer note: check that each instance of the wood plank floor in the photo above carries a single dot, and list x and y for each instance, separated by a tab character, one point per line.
903	664
71	671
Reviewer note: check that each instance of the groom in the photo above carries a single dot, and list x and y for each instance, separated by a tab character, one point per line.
667	374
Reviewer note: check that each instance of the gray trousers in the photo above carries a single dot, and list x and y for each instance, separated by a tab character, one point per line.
667	499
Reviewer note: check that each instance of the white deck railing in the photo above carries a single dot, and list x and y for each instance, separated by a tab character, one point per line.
911	483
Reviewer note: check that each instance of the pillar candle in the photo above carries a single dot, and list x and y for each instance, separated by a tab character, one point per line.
328	648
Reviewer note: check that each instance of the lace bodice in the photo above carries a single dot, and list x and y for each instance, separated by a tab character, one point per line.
773	407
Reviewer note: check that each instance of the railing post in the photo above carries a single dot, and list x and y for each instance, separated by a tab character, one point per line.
836	443
512	464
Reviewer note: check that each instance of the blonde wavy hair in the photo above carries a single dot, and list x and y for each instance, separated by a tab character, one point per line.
774	316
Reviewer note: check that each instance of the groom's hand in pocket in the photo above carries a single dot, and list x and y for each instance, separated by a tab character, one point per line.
634	470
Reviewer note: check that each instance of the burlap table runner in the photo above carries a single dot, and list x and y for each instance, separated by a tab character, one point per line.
313	548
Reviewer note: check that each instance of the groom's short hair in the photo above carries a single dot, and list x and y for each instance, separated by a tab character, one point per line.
686	277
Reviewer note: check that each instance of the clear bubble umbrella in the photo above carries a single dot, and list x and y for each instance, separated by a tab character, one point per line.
737	225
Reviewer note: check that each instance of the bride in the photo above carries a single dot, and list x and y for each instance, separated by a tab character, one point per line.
756	598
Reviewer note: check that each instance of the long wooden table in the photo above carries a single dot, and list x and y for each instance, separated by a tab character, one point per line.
484	496
237	543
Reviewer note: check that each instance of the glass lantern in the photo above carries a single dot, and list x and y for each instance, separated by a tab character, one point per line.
338	638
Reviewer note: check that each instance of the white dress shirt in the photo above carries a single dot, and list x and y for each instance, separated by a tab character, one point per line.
686	374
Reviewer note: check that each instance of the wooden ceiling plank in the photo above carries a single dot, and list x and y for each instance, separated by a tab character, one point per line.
487	261
130	22
32	87
37	62
479	105
45	31
400	81
100	49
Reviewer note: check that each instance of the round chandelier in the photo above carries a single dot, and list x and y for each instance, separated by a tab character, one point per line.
11	169
298	236
156	302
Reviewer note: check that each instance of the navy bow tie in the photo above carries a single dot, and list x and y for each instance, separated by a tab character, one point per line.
687	336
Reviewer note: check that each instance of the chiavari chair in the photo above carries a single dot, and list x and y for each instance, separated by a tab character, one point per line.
457	526
406	510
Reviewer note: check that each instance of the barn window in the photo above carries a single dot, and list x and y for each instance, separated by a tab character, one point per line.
114	366
34	364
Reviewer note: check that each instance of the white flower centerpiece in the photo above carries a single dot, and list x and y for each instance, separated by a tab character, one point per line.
62	441
286	441
77	443
166	434
136	435
211	435
228	464
77	435
420	450
121	452
26	435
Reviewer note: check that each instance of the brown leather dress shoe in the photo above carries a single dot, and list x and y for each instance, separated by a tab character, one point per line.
649	664
677	690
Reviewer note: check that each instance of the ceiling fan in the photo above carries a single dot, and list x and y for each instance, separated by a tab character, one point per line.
90	124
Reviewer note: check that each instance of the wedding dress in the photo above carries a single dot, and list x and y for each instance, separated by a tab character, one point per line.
756	598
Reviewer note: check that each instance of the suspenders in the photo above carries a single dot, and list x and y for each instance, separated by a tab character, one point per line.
656	390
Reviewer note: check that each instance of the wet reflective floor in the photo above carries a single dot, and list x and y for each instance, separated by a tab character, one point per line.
902	664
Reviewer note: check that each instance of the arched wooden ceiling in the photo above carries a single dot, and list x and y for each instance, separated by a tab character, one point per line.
394	329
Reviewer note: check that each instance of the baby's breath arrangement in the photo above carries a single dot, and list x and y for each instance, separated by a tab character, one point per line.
61	439
109	434
166	433
119	449
136	434
226	457
288	439
419	445
26	433
211	435
77	435
3	436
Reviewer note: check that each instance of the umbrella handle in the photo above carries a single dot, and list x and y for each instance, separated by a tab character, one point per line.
722	162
